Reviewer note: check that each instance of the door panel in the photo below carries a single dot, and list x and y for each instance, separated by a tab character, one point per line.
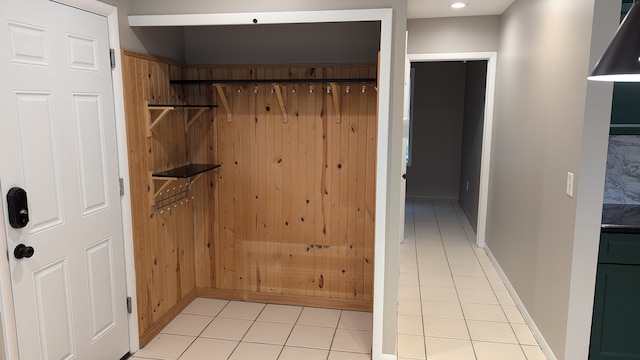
53	308
90	135
28	44
58	141
102	294
39	161
616	315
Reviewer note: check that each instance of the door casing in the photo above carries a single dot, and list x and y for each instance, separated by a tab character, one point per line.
384	308
491	58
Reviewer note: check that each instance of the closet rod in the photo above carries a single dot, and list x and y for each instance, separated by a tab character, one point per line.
276	81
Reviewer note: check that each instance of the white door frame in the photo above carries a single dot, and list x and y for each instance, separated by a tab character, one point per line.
8	318
385	16
487	130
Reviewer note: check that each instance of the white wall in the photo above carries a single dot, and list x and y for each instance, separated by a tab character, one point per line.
544	127
453	34
163	42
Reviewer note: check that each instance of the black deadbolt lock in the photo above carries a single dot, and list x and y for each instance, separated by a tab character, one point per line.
17	206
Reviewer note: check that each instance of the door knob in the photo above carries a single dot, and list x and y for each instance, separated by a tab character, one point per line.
23	251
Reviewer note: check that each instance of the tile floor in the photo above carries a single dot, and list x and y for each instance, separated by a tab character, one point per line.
452	303
210	329
452	306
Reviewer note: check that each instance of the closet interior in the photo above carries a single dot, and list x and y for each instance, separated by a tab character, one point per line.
250	182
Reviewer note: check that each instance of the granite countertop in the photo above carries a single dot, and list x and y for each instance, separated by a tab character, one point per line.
621	218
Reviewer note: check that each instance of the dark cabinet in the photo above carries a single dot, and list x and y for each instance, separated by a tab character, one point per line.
615	330
625	109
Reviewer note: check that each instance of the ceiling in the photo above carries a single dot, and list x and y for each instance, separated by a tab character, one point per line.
440	8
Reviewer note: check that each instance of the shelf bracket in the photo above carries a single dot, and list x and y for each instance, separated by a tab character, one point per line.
283	109
151	123
167	182
194	118
335	93
223	99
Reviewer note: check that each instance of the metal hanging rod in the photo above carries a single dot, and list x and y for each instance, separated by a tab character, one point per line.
275	81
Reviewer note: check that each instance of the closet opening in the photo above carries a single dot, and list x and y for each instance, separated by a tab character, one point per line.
286	117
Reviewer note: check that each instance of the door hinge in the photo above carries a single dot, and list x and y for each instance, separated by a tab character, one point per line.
129	305
112	57
121	187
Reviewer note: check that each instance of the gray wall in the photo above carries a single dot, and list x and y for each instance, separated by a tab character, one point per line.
167	42
472	134
549	120
436	130
355	42
454	34
130	40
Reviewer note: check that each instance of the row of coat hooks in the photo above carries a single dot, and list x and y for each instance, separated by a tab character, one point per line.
331	88
277	86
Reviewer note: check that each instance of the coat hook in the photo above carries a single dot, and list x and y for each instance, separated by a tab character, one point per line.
293	89
364	88
347	89
273	89
310	88
255	89
328	89
239	89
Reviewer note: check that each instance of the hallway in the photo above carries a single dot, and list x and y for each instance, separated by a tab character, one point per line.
452	303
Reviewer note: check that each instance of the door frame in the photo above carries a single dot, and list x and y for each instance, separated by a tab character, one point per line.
487	130
383	311
6	302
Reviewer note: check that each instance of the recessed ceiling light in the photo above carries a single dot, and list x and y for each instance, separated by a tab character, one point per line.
458	5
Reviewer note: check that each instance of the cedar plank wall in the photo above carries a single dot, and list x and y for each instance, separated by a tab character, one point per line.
163	243
282	187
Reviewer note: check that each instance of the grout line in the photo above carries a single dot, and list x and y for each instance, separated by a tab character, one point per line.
415	245
464	316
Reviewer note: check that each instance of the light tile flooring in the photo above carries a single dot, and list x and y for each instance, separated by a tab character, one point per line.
210	329
452	303
452	306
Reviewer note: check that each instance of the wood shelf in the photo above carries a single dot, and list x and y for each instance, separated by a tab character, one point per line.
184	172
192	172
172	106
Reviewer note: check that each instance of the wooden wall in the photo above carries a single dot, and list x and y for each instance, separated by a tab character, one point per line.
288	217
163	243
293	201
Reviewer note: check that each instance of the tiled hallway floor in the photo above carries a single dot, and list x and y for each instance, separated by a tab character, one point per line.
452	303
210	329
452	306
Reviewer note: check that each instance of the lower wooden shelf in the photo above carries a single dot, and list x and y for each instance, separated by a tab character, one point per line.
185	171
165	197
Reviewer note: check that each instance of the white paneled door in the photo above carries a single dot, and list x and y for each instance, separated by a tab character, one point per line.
58	143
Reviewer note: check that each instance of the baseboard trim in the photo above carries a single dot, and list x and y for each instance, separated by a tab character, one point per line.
388	357
147	335
343	304
546	349
432	198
